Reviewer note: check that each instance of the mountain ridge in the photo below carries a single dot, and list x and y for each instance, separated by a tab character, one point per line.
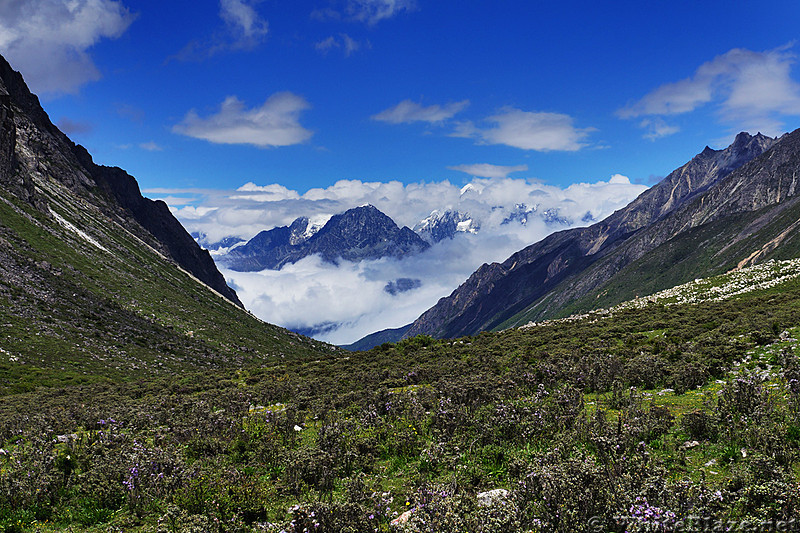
496	292
87	293
43	150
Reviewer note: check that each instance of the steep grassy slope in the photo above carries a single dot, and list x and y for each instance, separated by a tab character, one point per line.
83	299
651	411
34	153
99	283
712	249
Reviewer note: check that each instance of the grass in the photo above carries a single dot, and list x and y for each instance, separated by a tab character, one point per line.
452	417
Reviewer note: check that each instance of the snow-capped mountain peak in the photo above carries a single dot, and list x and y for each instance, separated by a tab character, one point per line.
469	187
440	225
522	214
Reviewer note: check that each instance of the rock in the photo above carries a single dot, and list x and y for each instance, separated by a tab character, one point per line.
690	444
492	497
402	519
66	438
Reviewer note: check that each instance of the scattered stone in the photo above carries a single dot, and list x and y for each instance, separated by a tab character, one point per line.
492	497
66	438
402	519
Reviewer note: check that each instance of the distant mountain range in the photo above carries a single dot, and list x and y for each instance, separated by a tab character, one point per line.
722	210
357	234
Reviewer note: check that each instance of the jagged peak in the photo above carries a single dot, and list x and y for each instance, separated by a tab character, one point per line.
362	210
707	151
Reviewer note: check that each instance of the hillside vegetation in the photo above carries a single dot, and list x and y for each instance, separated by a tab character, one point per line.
83	300
657	412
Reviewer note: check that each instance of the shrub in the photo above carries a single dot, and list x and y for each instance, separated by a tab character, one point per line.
700	425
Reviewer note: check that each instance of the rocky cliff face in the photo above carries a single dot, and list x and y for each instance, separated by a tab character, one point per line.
544	277
34	153
357	234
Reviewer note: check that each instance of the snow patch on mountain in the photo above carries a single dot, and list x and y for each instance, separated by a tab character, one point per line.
316	223
74	229
467	226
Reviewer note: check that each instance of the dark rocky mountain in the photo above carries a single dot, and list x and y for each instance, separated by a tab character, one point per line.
376	339
357	234
546	279
399	285
32	149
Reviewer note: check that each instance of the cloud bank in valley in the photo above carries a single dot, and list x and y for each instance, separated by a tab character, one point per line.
344	302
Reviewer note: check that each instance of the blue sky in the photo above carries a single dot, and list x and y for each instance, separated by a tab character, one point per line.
411	90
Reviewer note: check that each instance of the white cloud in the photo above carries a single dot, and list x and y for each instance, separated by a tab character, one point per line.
151	146
275	123
243	29
344	42
373	11
408	111
247	27
74	127
657	128
265	193
486	170
312	292
177	200
368	11
753	90
49	40
540	131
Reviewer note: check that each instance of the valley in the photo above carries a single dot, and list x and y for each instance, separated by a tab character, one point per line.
633	366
